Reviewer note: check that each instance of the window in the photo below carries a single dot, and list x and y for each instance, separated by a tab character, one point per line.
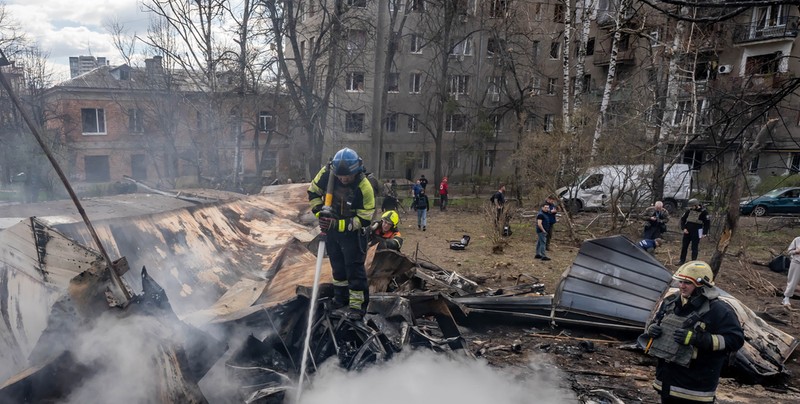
499	8
355	81
96	168
683	112
388	161
357	3
537	86
590	47
754	165
497	123
391	123
548	122
537	12
558	13
495	84
494	46
694	158
424	160
136	120
418	6
302	50
463	48
763	64
488	158
415	83
459	84
555	46
413	123
266	122
354	122
794	163
535	51
138	167
551	86
416	44
393	82
624	42
94	121
454	123
530	123
587	83
356	40
771	16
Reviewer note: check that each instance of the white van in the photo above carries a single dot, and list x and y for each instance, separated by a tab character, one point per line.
630	184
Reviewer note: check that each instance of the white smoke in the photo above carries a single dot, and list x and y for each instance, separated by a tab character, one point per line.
427	377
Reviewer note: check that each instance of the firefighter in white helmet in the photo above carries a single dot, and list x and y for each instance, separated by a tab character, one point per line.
691	335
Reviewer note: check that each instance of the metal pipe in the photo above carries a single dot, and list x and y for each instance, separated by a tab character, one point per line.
15	100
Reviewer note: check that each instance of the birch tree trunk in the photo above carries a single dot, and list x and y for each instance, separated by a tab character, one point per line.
565	66
612	73
580	63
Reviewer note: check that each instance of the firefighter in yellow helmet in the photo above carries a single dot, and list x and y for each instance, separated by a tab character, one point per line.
691	335
385	232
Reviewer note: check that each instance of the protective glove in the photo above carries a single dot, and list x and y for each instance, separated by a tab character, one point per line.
326	220
698	338
654	331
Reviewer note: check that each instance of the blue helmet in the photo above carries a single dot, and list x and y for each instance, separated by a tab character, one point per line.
346	162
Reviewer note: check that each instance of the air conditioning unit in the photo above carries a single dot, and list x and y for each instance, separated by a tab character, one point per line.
724	69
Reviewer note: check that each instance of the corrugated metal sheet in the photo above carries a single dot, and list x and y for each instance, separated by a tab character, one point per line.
612	278
36	264
198	253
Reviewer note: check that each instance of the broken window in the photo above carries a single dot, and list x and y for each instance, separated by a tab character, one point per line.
96	168
413	123
455	123
555	47
354	122
388	161
393	82
391	123
494	47
416	44
355	81
498	9
549	122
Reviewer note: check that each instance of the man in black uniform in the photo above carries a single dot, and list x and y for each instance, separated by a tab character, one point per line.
692	334
695	225
345	222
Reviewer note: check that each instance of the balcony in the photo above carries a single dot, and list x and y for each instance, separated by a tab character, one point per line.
602	57
756	32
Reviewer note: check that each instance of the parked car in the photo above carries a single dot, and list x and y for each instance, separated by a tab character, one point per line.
778	201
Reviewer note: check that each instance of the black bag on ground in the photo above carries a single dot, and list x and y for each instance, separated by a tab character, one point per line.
461	244
780	264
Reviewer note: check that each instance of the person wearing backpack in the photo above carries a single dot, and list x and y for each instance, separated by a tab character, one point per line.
421	205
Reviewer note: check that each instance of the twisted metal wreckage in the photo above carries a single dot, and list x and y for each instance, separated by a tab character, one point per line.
219	270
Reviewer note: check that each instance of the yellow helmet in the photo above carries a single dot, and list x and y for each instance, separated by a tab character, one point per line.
391	217
697	272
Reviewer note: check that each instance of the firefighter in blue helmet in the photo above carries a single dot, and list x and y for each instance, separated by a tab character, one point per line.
345	222
692	335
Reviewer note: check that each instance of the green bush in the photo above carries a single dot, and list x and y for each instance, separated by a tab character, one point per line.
770	183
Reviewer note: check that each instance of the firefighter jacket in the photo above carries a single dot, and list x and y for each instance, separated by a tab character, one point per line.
697	380
353	204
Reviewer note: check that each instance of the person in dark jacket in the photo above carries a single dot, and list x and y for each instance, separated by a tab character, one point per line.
421	205
655	221
498	200
692	334
542	226
552	216
695	225
342	222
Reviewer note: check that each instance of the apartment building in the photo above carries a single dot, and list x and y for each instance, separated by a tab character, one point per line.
160	126
464	61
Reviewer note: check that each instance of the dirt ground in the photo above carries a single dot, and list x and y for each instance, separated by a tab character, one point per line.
628	374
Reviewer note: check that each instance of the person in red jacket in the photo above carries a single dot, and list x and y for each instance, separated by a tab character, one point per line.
443	190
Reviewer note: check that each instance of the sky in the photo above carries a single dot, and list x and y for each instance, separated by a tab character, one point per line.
65	28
